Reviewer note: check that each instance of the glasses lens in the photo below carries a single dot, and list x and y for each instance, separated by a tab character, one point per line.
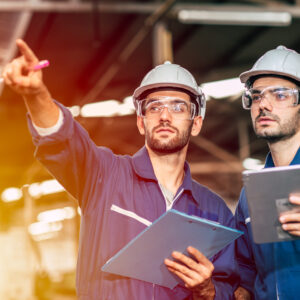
279	97
247	100
178	108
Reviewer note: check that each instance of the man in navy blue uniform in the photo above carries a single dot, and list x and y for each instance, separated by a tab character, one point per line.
120	196
272	270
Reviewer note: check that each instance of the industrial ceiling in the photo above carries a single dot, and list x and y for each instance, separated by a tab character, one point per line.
100	50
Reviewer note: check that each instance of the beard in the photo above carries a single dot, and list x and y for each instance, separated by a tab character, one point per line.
285	131
176	144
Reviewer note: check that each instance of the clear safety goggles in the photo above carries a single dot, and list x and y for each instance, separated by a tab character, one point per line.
277	96
178	108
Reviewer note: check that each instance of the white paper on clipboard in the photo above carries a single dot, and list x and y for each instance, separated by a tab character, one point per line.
143	257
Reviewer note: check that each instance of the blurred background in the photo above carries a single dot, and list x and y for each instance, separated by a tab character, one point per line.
99	51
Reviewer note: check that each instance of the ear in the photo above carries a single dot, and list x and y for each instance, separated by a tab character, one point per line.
140	125
197	125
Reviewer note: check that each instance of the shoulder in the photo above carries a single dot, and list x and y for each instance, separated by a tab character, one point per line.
242	204
204	193
211	204
109	155
241	212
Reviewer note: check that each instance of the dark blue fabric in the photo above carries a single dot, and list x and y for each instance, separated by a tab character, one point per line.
99	179
271	270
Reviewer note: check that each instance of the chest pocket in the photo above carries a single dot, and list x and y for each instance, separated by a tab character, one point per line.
195	211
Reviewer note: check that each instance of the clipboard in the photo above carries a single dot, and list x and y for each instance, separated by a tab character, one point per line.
267	192
143	257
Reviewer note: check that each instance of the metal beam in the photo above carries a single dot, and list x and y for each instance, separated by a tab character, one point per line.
162	44
244	143
230	164
128	50
243	42
213	149
15	28
17	31
135	7
115	42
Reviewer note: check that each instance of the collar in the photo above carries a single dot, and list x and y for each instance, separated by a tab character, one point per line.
270	164
143	167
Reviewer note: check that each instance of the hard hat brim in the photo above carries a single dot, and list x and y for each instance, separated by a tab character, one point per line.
140	90
245	76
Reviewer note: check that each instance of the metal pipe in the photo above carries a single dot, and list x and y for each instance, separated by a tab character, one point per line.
133	7
128	50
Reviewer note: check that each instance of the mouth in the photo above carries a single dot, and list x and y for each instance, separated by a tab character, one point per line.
164	130
265	120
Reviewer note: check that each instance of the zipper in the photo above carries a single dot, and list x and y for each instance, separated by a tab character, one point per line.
153	287
275	271
167	208
177	196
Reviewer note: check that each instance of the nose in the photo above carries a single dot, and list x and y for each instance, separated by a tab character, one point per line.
165	114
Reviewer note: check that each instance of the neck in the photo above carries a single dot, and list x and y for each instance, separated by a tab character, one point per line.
169	168
284	151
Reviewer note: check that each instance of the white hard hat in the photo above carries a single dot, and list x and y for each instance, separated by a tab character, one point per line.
171	75
280	61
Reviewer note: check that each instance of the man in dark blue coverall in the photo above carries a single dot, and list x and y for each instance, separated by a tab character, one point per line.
120	196
272	270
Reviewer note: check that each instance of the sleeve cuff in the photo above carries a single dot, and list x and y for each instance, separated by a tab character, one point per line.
50	130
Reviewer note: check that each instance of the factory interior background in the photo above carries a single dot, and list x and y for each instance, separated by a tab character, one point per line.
99	51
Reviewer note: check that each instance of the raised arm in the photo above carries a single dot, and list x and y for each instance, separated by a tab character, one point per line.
20	76
70	161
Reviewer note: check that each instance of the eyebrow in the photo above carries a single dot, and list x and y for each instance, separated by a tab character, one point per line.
173	100
256	91
274	89
281	88
151	100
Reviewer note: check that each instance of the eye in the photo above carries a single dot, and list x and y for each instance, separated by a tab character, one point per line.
256	97
179	107
153	107
281	95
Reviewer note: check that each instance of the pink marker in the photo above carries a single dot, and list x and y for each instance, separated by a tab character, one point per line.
41	64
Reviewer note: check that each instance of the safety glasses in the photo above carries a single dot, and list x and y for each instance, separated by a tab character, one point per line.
178	108
277	96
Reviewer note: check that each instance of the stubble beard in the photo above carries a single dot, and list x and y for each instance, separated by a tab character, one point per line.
174	145
285	131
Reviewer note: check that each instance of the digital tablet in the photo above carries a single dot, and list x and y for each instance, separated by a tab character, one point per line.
267	192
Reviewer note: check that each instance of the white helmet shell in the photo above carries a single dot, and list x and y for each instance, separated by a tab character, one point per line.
279	61
171	75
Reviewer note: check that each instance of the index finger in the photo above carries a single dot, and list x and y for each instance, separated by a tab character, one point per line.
294	198
26	51
201	258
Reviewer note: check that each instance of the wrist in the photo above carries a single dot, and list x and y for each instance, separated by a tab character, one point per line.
42	109
242	294
40	92
204	292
